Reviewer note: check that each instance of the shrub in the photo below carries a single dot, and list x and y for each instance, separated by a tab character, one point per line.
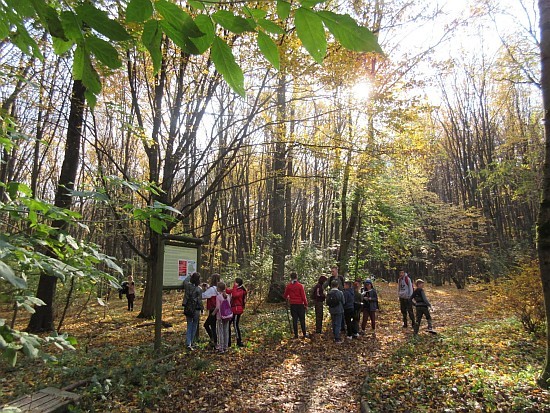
521	294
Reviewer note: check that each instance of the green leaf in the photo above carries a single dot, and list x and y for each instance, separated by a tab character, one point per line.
61	46
50	17
207	27
11	356
112	265
90	78
104	51
4	29
311	3
28	348
178	19
25	42
157	225
179	38
23	8
256	13
139	10
270	27
224	61
7	274
311	32
229	21
151	38
349	33
90	98
78	62
72	26
197	5
269	49
160	205
100	21
283	9
17	188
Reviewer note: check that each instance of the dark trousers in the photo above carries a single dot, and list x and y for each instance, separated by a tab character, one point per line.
319	305
235	322
210	326
422	311
298	312
367	314
350	325
406	309
130	298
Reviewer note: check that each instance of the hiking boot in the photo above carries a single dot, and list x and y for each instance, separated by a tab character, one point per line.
339	341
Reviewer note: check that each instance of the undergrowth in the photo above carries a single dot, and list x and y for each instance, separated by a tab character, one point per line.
489	367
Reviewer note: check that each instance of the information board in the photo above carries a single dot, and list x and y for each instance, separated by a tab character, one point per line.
179	261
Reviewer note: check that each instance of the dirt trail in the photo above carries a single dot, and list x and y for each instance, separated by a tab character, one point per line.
314	375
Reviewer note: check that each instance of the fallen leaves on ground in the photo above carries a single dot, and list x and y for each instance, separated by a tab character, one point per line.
476	362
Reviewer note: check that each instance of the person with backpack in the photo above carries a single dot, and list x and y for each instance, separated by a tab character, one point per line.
370	305
296	297
238	300
192	306
210	296
224	315
318	297
405	291
422	306
335	303
334	275
349	310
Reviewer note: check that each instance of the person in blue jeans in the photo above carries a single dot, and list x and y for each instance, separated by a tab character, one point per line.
336	310
192	293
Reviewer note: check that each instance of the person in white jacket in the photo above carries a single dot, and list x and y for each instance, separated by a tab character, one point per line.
405	291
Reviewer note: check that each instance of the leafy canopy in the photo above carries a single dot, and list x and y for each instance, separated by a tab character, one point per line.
97	38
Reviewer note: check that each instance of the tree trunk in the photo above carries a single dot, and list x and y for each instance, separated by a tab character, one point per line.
543	228
277	206
43	318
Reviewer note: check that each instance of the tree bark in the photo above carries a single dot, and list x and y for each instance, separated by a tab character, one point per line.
543	227
43	318
277	206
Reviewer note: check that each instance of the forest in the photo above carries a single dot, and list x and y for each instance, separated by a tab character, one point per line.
285	136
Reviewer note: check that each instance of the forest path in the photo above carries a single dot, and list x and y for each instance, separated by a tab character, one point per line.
311	375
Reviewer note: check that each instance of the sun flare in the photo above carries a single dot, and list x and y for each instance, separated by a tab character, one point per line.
361	90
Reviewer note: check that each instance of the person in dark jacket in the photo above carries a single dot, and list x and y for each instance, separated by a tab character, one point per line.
349	309
370	305
238	299
319	300
193	293
422	306
336	311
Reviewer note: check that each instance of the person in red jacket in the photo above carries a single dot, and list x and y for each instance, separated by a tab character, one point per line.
238	299
296	297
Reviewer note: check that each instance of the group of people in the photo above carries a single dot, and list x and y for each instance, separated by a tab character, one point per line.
348	301
224	305
351	305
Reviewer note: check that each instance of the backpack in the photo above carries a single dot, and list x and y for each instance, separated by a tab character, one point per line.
123	290
190	307
312	295
332	299
225	310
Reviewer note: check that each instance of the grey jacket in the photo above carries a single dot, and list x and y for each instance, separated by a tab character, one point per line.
339	309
